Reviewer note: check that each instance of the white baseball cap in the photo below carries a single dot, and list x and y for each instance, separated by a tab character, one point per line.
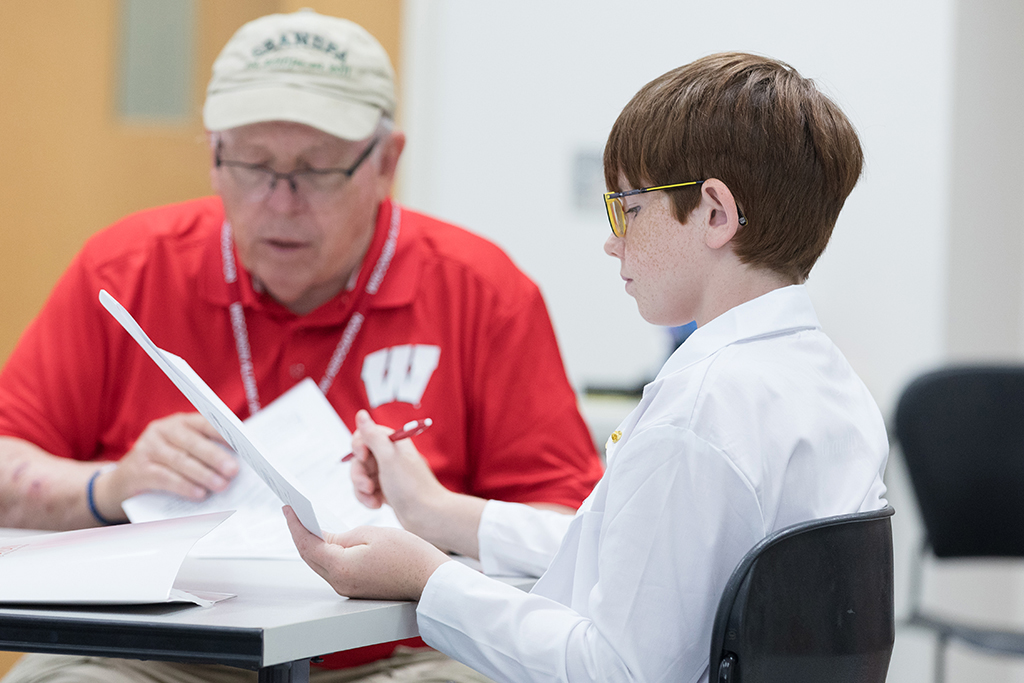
325	72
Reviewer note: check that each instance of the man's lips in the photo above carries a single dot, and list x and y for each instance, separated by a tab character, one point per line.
285	244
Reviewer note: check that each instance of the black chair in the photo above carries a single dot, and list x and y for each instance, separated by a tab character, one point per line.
961	431
811	603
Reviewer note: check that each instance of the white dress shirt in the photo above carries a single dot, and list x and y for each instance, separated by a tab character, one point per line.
756	422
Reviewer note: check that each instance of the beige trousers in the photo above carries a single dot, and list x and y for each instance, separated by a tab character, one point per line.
404	666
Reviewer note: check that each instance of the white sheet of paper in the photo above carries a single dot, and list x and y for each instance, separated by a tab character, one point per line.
219	415
301	434
128	564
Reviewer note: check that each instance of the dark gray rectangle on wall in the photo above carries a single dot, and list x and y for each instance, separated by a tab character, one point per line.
157	52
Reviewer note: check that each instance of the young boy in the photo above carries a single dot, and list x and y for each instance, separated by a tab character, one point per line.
728	175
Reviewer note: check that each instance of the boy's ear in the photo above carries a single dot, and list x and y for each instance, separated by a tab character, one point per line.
723	218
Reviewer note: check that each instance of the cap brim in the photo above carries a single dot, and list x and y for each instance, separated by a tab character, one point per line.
339	117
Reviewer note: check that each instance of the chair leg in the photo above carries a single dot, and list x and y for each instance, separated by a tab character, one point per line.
940	658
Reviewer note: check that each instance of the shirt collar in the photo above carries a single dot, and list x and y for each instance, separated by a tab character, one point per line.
397	289
780	311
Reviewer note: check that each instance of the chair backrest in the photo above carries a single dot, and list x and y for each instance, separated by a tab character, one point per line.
961	431
810	603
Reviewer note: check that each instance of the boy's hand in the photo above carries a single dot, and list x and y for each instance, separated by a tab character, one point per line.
391	472
368	562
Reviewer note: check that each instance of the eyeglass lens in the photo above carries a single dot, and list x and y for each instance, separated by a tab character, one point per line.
258	181
617	217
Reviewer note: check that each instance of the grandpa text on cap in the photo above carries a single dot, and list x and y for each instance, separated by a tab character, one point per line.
325	72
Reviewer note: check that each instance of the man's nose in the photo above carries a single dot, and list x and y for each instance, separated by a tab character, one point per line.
283	194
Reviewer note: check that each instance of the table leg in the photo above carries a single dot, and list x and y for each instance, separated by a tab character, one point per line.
289	672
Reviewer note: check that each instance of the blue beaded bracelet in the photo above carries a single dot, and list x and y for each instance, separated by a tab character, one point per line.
89	495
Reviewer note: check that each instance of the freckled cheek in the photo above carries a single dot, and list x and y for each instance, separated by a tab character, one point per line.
640	252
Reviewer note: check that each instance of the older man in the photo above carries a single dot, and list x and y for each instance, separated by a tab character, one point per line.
301	266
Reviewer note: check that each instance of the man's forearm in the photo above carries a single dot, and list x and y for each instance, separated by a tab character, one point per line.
42	491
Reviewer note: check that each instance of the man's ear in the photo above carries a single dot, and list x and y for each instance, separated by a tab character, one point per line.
393	145
723	218
211	141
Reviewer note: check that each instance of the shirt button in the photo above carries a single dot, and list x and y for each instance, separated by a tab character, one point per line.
298	371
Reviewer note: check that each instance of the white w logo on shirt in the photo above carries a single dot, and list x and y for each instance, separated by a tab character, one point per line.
399	373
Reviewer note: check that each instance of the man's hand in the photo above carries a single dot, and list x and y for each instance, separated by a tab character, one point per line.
180	454
368	562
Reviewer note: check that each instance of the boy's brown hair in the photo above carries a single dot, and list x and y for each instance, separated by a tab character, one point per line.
785	150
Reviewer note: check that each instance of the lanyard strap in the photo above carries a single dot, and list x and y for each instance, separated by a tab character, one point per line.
348	336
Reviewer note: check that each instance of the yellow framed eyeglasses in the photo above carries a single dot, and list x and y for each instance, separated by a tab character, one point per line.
617	212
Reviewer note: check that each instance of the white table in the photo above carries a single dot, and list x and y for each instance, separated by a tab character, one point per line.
283	615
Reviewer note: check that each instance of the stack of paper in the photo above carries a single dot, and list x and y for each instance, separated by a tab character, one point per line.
126	564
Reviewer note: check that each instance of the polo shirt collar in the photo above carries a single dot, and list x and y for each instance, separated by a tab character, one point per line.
780	311
398	287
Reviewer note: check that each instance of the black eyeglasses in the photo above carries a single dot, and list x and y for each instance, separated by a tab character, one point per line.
259	180
617	212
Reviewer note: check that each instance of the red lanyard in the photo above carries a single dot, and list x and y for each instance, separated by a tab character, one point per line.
348	336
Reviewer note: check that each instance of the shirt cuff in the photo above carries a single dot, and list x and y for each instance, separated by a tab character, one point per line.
457	601
434	590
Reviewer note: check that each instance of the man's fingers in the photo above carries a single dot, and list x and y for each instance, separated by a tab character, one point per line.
182	459
191	434
181	464
163	478
203	426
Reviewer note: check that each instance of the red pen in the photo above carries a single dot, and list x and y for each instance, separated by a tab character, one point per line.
410	430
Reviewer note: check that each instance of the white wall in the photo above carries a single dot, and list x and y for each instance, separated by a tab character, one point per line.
986	240
499	98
